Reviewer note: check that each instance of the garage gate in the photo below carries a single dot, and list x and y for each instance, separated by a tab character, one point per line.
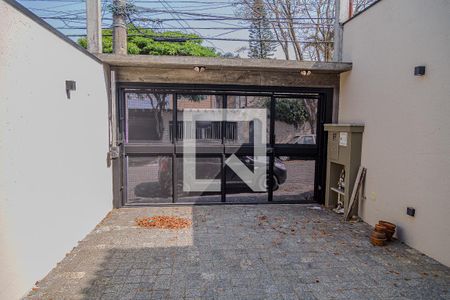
152	131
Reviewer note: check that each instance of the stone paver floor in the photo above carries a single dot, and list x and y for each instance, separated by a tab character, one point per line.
241	252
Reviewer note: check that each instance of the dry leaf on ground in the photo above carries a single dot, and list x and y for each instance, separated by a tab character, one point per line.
163	222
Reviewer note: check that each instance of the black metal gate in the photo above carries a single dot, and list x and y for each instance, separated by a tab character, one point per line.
151	133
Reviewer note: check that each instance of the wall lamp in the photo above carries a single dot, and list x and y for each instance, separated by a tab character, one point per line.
199	69
305	72
71	85
419	71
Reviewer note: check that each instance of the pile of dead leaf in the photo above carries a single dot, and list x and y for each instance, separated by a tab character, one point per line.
163	222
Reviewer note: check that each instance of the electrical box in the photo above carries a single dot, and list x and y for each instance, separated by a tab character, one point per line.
343	162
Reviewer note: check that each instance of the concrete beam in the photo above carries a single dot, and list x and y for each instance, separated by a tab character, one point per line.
225	77
214	63
94	26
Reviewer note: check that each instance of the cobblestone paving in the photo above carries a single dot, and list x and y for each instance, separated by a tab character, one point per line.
241	252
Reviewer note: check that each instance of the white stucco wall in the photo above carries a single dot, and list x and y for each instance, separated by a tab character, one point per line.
54	182
406	143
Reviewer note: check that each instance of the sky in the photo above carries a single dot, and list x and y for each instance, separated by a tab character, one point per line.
74	12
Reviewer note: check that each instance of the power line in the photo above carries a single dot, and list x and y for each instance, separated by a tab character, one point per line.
306	25
188	2
174	19
213	17
143	2
72	19
183	39
164	1
144	9
179	22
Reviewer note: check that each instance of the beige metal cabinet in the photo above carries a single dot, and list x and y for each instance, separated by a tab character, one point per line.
344	153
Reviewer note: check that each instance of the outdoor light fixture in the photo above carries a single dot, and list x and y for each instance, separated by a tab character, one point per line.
305	73
419	71
410	211
199	69
71	85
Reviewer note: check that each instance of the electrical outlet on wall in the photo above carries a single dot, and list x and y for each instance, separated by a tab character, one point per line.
373	196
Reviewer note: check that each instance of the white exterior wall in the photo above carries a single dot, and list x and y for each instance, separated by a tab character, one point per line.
406	142
54	182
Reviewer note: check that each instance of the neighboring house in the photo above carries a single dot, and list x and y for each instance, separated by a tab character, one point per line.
406	142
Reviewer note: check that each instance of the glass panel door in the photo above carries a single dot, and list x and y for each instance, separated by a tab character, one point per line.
240	140
295	130
149	179
294	179
148	175
206	132
237	191
242	132
154	125
206	168
295	121
148	117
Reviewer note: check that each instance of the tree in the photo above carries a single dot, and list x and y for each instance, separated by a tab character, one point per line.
261	44
149	42
290	111
360	5
319	35
304	27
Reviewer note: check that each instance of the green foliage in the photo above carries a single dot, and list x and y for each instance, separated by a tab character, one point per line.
82	42
261	44
149	42
290	111
194	98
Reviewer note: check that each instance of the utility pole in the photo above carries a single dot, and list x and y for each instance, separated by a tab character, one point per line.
94	26
119	27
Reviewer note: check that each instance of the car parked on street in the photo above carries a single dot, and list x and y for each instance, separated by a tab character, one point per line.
304	139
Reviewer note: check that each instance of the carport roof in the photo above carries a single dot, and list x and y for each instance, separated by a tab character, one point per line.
187	62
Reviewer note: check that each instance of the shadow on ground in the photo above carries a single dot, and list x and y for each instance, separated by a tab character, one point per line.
241	252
